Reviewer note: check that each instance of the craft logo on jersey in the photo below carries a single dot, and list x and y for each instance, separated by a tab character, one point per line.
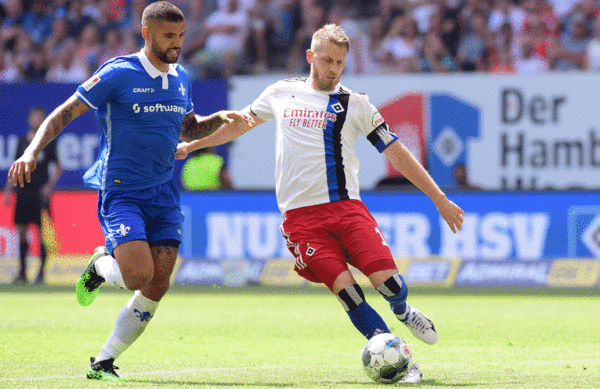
182	89
143	90
436	128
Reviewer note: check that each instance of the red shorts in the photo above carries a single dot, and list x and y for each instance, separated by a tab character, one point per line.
325	238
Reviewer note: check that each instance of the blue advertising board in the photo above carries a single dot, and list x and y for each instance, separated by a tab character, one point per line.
78	143
497	226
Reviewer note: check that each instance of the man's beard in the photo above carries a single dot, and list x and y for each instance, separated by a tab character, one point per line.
162	55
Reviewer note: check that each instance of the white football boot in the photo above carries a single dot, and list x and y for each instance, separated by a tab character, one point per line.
414	375
419	324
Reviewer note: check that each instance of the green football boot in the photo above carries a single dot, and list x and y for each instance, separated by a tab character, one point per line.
88	285
103	371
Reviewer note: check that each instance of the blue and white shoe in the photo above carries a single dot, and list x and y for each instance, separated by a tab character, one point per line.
419	324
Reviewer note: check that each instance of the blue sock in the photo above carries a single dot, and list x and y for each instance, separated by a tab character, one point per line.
364	318
395	291
367	320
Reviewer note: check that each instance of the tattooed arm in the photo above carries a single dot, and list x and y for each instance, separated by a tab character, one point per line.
50	128
197	127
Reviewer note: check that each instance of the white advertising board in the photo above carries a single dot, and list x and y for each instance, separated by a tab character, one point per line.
511	132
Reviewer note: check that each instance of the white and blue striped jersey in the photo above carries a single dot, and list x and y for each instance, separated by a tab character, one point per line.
140	112
316	131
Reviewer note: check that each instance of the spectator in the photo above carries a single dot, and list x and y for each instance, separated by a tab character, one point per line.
226	33
506	12
38	21
450	34
112	47
403	44
471	47
435	57
573	45
592	58
194	29
389	10
502	63
77	20
59	36
461	178
66	69
529	63
375	38
23	52
358	60
37	68
273	26
11	25
8	72
314	17
88	47
105	20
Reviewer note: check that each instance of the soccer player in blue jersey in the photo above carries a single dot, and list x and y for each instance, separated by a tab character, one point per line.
143	105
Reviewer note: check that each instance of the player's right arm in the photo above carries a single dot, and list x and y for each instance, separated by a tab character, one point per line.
21	169
226	133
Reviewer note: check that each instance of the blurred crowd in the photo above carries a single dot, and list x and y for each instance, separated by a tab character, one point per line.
66	40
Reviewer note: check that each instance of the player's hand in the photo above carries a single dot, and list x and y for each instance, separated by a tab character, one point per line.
237	118
452	213
182	150
21	169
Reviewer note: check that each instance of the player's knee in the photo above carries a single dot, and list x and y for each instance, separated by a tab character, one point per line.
157	289
137	280
395	286
351	297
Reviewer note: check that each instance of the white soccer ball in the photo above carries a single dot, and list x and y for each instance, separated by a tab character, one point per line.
386	358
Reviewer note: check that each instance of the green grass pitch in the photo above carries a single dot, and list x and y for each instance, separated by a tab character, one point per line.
261	337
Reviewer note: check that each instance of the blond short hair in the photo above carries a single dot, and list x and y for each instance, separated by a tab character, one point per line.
330	33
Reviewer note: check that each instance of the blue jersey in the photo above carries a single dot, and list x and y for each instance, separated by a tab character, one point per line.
140	112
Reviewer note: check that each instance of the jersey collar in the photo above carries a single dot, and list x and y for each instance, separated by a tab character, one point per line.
153	71
336	89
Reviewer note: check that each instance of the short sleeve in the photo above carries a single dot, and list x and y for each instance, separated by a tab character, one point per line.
261	107
101	87
190	103
373	126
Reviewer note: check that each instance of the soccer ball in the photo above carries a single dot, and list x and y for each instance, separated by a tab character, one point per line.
386	358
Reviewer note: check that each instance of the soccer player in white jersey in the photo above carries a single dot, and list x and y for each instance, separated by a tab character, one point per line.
143	104
325	224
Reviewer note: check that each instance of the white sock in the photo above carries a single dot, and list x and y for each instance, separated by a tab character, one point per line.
130	324
108	268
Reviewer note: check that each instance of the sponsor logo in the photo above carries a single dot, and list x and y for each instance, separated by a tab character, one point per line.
143	316
337	107
377	119
89	84
309	114
143	90
158	107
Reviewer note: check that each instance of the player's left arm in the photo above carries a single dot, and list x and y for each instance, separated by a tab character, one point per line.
197	127
403	160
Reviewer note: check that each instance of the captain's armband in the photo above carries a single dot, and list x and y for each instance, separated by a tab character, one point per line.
381	137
